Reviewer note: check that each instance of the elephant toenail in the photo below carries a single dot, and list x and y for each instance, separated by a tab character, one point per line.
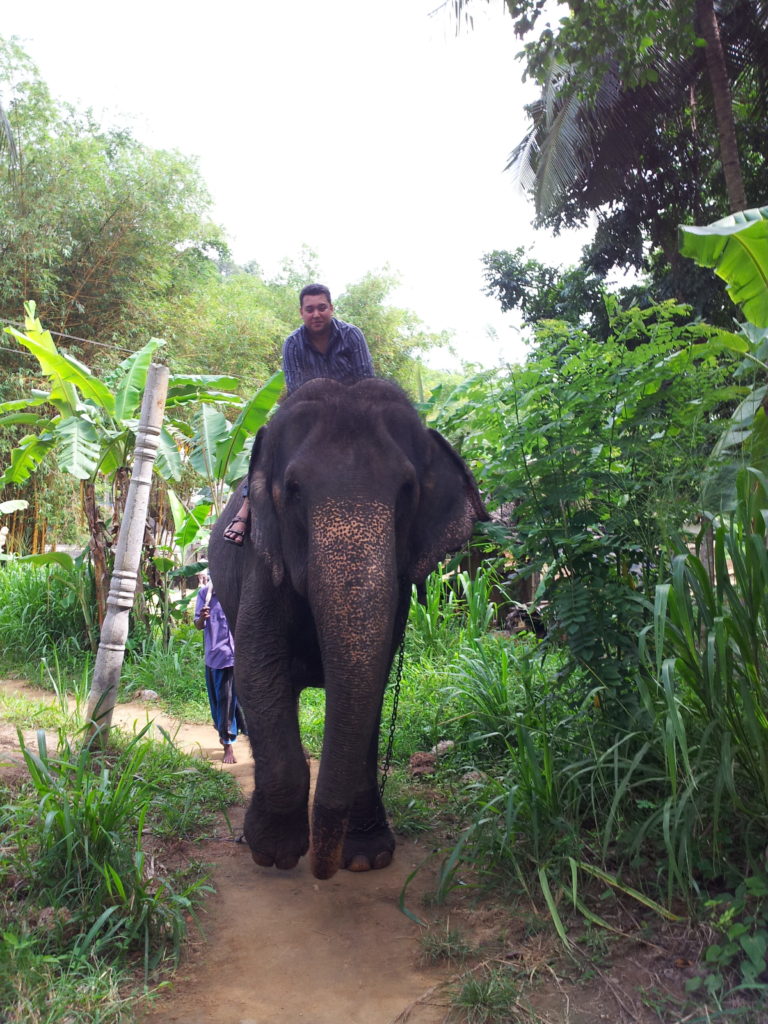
359	863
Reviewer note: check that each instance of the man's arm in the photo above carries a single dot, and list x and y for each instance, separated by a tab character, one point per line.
202	612
291	367
361	357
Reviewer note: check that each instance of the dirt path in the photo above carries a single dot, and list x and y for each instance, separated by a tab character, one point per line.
279	947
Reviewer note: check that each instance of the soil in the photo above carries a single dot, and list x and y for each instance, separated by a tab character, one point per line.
281	947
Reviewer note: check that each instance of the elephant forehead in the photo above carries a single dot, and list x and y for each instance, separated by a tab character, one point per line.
355	527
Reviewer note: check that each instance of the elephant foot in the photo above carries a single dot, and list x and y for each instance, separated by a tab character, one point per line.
364	842
368	850
276	840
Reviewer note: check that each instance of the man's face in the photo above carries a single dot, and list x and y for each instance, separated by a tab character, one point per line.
316	312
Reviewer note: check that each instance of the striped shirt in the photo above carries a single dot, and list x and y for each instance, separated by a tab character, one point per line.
347	358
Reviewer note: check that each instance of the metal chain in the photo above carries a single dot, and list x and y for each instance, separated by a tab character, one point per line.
393	719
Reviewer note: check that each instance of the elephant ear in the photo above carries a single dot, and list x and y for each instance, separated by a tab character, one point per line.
265	531
449	506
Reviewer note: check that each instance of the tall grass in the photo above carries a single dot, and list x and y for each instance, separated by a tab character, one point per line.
88	857
662	806
75	842
41	612
706	690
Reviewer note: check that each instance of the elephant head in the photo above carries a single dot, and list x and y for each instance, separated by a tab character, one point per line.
352	501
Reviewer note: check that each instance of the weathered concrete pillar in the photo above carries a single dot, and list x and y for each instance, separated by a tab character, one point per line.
122	588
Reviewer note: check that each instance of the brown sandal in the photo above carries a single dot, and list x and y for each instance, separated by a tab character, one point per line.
233	536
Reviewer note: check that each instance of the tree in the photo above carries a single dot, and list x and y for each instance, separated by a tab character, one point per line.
394	335
612	53
541	292
632	105
604	444
93	428
99	230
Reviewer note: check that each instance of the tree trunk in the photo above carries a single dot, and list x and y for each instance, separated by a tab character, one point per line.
98	545
721	94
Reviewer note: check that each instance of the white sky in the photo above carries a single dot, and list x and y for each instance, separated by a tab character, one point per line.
368	131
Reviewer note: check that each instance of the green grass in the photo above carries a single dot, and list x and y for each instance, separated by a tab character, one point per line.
40	988
80	888
41	612
176	674
487	995
444	946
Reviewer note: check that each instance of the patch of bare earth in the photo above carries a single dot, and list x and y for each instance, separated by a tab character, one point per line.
281	947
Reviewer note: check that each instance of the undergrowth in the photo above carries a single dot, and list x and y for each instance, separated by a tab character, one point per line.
86	894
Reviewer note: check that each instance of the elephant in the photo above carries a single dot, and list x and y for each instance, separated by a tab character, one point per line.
352	501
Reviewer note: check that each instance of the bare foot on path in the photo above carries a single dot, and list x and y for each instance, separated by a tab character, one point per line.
229	757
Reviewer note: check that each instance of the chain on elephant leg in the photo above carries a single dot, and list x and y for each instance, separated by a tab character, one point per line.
369	843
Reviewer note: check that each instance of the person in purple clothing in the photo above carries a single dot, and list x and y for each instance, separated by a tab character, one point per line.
219	667
322	347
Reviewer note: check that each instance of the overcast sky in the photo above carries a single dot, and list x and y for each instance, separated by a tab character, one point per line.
368	131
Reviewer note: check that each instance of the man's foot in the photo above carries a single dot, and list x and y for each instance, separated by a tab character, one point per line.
229	757
235	532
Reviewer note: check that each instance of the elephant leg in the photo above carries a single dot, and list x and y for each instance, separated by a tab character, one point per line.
369	843
276	822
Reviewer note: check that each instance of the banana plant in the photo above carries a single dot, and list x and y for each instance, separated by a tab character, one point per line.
736	248
92	431
220	450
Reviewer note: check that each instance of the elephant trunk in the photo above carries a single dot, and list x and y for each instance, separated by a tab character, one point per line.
353	583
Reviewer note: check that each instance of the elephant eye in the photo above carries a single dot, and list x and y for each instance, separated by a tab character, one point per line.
292	490
407	497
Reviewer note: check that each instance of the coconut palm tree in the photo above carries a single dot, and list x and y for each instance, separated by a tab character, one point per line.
589	133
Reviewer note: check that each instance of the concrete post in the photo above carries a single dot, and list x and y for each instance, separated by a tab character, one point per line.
122	588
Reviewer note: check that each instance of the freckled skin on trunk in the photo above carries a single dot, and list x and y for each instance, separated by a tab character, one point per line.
352	580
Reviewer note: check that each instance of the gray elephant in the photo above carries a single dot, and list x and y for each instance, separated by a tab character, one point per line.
352	501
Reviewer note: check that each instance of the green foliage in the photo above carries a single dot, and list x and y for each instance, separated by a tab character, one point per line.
94	429
485	996
737	248
41	611
603	447
446	946
410	813
740	958
432	622
489	681
453	602
395	336
76	838
176	672
628	131
101	231
42	988
541	292
658	805
707	686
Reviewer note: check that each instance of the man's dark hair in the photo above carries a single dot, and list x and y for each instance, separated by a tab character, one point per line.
314	289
